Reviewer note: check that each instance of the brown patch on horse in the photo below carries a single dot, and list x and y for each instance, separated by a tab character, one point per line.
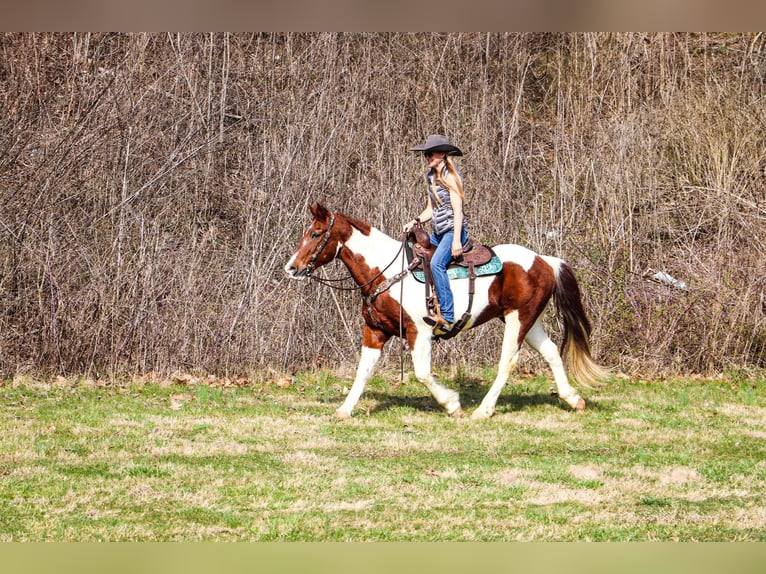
385	318
515	289
343	228
373	338
539	287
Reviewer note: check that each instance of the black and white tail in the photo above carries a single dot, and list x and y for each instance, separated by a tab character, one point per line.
575	345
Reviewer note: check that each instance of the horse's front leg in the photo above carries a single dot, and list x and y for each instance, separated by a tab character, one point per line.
421	361
372	344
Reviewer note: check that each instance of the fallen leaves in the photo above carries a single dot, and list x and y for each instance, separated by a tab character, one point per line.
137	382
177	401
285	382
187	379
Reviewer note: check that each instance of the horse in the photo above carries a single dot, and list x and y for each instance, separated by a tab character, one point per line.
394	305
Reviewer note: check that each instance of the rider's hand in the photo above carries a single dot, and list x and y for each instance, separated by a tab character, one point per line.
409	225
457	248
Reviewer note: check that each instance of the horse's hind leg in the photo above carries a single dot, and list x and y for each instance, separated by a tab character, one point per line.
421	361
540	341
509	357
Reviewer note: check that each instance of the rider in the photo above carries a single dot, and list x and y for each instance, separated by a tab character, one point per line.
445	209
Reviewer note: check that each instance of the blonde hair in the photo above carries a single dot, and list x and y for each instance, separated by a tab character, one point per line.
451	180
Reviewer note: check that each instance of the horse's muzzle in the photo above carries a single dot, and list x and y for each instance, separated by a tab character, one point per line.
292	270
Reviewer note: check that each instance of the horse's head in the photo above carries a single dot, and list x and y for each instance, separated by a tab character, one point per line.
318	246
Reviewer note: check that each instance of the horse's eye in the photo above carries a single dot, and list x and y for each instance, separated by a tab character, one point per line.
315	235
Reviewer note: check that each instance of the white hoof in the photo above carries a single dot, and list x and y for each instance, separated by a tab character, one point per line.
576	402
452	402
342	415
481	414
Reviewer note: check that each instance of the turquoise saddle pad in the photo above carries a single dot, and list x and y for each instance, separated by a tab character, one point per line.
492	267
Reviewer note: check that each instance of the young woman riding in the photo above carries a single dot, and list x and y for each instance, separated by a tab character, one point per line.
444	209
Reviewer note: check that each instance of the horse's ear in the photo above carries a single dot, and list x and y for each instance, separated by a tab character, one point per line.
319	211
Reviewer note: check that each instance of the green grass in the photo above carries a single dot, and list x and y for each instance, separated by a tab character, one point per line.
662	460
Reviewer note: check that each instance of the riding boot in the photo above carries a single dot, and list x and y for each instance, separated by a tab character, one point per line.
435	319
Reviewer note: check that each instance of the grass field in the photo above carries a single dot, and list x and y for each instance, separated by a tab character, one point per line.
236	460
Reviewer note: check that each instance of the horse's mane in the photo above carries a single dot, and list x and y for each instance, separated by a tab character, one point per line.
362	226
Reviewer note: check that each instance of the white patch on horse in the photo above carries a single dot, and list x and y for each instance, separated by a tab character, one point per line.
377	248
554	262
518	254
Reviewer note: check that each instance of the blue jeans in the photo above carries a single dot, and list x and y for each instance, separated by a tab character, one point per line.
441	258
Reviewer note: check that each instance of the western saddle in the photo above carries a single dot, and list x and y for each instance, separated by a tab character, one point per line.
422	251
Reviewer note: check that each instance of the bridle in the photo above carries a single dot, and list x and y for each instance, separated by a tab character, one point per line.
320	246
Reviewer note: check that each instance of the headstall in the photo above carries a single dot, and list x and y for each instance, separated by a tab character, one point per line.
310	267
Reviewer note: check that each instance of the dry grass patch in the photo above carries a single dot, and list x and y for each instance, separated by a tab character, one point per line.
754	418
586	471
554	422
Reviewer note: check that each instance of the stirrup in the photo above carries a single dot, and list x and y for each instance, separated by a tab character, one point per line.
454	328
443	329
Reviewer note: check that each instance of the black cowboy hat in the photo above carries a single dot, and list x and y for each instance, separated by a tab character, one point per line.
436	142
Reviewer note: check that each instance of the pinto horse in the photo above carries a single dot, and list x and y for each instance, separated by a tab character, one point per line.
394	304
